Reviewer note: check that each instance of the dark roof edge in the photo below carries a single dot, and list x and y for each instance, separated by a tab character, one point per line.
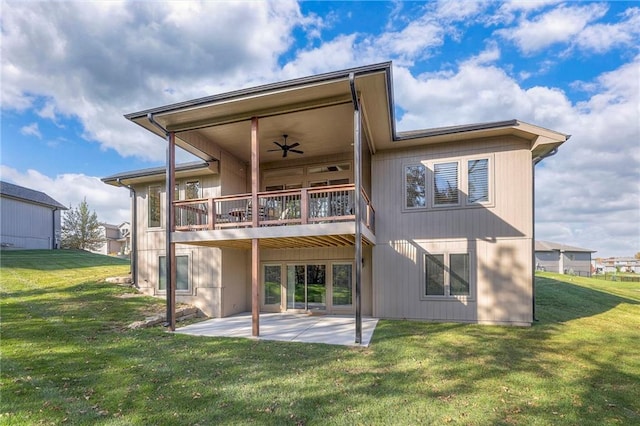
334	75
440	131
133	174
22	193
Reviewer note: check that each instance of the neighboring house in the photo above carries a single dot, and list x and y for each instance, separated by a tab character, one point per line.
344	215
29	219
116	239
563	259
619	264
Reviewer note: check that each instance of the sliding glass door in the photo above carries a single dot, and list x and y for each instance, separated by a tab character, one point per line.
307	287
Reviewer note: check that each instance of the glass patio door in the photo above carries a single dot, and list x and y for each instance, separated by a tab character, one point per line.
307	287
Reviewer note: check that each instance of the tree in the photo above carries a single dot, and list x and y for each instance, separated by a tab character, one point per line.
637	256
81	229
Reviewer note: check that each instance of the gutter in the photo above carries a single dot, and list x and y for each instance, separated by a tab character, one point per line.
134	232
53	237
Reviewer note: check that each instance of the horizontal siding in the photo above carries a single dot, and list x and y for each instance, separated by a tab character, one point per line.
26	225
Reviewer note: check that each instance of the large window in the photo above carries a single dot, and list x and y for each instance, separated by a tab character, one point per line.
342	284
182	273
447	275
415	186
154	207
463	183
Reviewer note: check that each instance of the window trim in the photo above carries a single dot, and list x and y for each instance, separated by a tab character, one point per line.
405	207
447	277
432	185
189	290
463	184
161	216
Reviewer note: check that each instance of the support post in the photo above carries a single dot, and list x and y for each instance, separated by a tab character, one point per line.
255	243
170	256
357	171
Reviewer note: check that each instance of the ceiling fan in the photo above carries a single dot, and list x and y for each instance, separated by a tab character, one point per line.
286	148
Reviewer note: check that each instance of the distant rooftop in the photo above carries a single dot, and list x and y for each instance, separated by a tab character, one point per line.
549	246
21	193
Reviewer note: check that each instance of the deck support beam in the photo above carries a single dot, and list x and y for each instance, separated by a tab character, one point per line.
255	242
170	256
357	196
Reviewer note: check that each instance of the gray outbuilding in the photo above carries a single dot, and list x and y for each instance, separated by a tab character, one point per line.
29	219
563	259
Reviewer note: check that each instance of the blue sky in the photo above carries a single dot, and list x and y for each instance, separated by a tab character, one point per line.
70	70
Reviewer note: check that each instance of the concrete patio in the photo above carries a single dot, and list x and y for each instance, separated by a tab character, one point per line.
328	329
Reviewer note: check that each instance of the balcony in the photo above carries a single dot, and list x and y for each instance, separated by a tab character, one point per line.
305	206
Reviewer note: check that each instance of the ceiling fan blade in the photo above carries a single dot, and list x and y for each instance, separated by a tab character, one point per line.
294	145
297	151
281	147
273	150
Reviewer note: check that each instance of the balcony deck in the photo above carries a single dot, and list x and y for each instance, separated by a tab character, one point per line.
306	217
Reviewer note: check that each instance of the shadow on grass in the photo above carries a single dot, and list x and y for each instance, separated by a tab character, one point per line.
559	301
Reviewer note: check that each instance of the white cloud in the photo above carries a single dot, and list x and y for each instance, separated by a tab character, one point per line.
111	204
559	25
32	130
120	57
590	188
602	37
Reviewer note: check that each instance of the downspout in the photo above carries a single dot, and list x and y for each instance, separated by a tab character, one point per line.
53	236
134	231
535	161
170	322
357	171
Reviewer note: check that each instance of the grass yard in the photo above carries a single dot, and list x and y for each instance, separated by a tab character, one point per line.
68	358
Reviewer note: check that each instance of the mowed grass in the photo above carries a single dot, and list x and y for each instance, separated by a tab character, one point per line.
68	358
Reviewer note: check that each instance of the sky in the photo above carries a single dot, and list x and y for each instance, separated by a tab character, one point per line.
72	69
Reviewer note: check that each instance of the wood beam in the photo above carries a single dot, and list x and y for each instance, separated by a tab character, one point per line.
255	243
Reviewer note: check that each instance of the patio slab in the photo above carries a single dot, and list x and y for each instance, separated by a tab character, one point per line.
328	329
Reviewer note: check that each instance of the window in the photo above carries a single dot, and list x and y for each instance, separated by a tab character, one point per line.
192	190
415	186
272	284
154	207
447	275
445	184
182	273
478	181
342	284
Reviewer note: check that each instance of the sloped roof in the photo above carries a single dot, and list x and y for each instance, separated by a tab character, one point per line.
30	195
549	246
154	172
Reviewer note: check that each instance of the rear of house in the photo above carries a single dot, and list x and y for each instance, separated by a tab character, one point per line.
29	219
563	259
309	200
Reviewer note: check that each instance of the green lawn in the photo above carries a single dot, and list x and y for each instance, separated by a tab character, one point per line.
68	358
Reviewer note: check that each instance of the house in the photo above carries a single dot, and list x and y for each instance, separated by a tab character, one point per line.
619	264
116	239
563	259
308	199
29	219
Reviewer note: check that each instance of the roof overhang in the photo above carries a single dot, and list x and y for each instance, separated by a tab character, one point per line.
155	174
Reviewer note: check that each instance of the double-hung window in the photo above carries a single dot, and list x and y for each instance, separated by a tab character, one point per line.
447	275
478	181
445	184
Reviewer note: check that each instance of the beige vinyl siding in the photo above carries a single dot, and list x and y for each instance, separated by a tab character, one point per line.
497	235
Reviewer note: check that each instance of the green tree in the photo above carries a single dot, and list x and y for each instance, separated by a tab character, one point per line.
81	229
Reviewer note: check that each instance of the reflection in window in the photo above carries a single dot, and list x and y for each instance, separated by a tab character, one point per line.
459	274
415	186
342	284
435	275
154	207
272	284
478	177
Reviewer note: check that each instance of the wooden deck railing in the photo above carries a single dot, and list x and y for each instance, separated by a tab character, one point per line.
275	208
